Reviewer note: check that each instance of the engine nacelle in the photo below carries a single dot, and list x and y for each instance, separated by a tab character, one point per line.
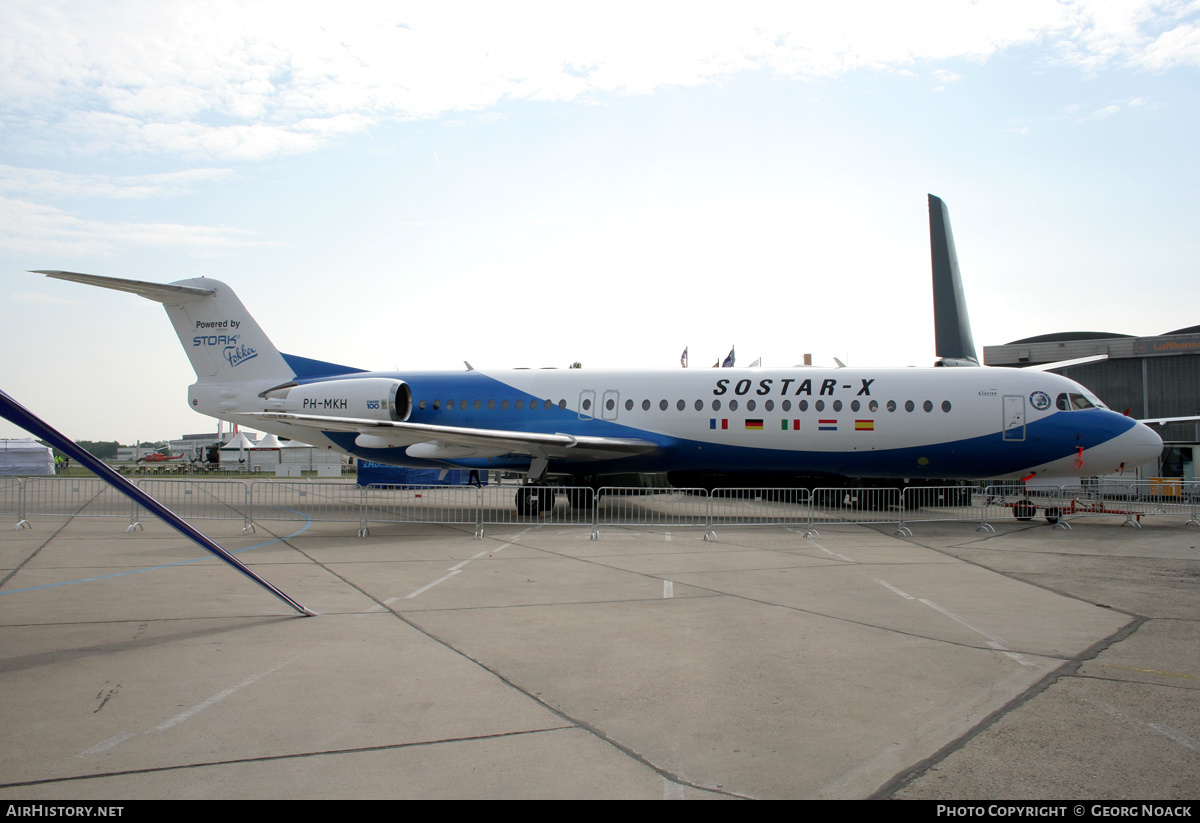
371	398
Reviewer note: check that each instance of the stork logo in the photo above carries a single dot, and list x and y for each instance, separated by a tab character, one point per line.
234	353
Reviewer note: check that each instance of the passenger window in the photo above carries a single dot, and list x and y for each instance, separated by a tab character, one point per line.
716	405
819	405
946	406
927	406
645	405
837	405
628	405
749	405
909	405
681	405
802	405
699	405
891	406
854	405
733	405
873	405
662	405
769	405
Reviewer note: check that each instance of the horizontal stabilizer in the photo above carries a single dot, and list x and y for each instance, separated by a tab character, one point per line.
158	292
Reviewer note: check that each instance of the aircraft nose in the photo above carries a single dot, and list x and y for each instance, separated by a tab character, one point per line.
1145	445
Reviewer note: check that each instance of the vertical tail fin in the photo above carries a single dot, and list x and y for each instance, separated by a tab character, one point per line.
952	327
222	340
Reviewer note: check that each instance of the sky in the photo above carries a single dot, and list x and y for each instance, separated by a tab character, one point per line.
411	185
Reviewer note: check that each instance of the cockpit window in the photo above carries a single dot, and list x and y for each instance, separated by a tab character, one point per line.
1075	400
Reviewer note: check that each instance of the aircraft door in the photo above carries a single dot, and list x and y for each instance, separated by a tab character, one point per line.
1014	417
587	404
610	404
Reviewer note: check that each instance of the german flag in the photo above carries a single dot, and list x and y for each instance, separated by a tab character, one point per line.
754	425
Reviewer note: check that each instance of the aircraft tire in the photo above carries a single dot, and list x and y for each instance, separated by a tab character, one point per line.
529	500
1024	510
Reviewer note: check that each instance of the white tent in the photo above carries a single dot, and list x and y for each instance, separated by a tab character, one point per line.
25	457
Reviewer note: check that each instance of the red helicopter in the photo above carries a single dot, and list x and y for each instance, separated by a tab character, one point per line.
159	457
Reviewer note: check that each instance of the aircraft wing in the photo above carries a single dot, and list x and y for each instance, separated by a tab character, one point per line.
434	442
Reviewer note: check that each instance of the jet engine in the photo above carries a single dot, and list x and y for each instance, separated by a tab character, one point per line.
372	398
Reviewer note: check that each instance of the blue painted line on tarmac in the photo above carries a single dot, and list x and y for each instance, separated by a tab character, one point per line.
308	521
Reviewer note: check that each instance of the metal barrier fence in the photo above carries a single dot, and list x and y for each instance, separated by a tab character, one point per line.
759	507
654	508
608	506
330	502
75	497
552	506
943	504
202	499
854	506
448	505
12	500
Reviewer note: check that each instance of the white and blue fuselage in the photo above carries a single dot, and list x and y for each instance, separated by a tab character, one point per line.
967	423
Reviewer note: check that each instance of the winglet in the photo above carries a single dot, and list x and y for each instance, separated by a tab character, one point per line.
952	328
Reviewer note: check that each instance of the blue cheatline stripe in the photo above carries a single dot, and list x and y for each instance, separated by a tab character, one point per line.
301	530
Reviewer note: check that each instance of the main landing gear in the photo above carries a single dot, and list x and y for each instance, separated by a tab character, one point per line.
534	499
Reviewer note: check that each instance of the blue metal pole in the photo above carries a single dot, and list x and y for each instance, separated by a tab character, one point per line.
17	414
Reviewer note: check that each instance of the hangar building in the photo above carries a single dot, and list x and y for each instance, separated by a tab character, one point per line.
1148	376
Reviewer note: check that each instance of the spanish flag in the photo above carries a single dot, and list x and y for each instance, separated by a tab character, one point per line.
864	425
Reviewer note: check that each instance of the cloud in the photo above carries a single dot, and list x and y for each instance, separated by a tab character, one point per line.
233	82
51	183
36	229
38	299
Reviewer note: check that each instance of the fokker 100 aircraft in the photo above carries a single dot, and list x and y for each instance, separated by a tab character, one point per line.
758	426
